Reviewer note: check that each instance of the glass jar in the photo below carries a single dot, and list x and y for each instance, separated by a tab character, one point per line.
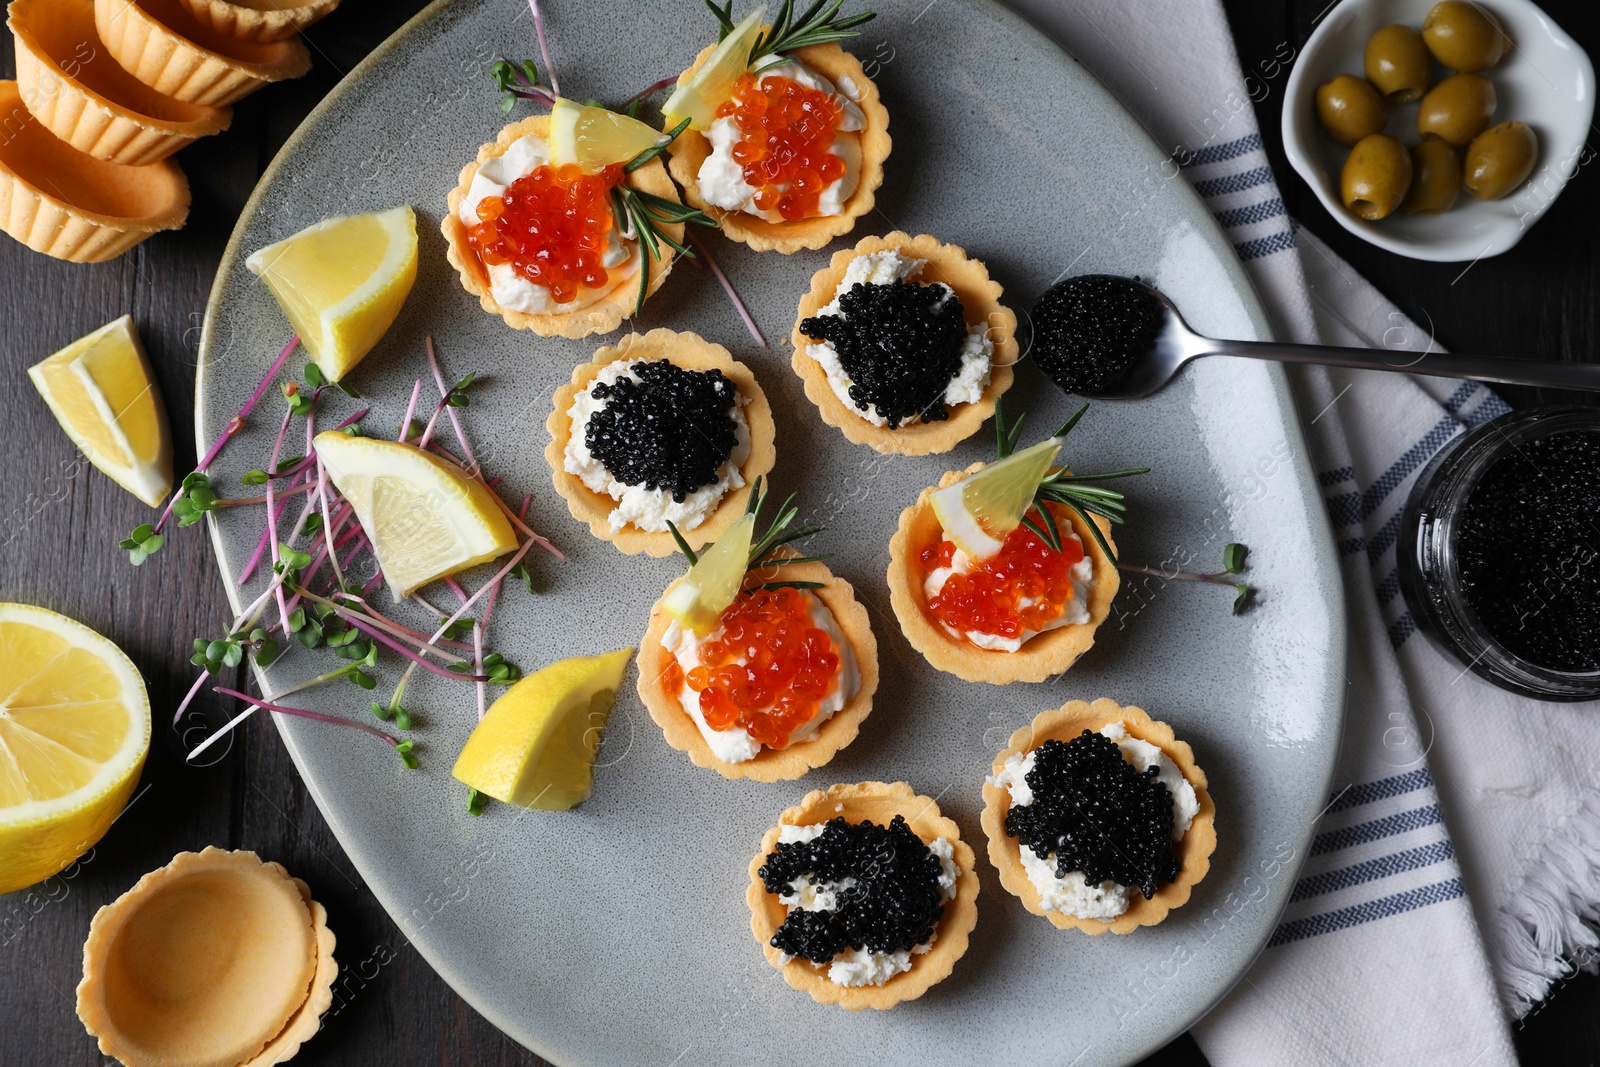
1429	564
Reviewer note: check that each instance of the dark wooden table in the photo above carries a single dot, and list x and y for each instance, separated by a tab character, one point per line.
60	521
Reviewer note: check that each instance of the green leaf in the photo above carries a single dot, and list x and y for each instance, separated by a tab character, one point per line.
402	718
1233	556
314	376
404	749
267	652
382	712
255	477
1242	599
363	679
477	801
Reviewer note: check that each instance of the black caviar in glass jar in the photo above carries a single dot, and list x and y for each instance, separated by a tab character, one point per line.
900	344
1088	330
673	429
1499	552
1098	814
893	906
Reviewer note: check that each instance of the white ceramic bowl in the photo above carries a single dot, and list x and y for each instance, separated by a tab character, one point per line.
1544	80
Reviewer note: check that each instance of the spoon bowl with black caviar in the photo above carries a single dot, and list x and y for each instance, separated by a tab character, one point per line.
1107	337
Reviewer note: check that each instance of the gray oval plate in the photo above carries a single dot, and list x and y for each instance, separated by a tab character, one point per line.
617	933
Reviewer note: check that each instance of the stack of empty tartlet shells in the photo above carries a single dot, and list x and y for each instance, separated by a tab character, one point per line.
108	90
217	959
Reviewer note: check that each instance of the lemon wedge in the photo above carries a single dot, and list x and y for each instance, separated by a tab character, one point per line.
979	511
595	138
101	391
74	731
699	600
698	98
342	282
536	745
426	519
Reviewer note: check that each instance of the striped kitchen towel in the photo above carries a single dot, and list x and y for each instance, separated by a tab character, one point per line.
1453	878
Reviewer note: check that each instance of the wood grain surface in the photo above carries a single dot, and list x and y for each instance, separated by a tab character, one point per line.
60	521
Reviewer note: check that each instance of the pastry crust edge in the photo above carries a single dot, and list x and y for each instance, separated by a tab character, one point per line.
607	312
1041	657
880	802
692	352
1063	724
980	298
769	765
691	149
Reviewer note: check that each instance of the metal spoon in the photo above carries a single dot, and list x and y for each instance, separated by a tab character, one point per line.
1177	344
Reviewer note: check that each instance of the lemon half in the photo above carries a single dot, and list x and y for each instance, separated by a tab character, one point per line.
74	731
536	745
426	519
979	511
342	282
101	391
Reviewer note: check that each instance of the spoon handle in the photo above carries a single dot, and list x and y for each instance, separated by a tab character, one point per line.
1544	372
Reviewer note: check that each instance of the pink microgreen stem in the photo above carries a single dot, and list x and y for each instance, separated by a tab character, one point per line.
494	589
433	420
272	519
362	620
648	91
733	294
257	702
177	716
235	424
261	545
327	523
417	636
411	410
477	665
285	494
355	619
544	46
499	576
455	423
455	587
372	583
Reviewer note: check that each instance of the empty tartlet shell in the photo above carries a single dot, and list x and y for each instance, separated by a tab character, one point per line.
1064	724
64	203
980	299
768	765
606	313
691	352
877	802
1041	656
162	45
261	22
96	106
692	148
240	959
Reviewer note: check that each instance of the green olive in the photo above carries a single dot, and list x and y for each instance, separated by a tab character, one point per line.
1457	109
1350	109
1463	36
1499	159
1397	63
1375	177
1436	177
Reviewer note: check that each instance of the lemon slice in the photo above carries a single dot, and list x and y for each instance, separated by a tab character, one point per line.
979	511
425	518
342	282
74	730
711	584
536	746
595	138
101	391
698	98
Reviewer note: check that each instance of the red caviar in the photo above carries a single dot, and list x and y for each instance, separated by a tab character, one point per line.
551	225
788	665
988	599
786	130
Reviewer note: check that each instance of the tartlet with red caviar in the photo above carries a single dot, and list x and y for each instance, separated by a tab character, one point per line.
765	678
540	244
1007	588
1144	745
785	145
660	427
918	905
939	383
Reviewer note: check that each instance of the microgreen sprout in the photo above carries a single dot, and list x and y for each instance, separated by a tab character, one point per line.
142	543
476	802
1233	562
518	82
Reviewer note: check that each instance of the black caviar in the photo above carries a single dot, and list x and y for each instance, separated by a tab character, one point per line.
1098	814
1527	544
673	429
894	905
1087	331
900	344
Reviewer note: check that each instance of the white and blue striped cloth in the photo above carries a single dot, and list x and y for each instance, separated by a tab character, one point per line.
1454	873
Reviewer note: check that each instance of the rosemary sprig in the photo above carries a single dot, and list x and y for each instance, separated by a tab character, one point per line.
780	531
1076	492
645	213
788	34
